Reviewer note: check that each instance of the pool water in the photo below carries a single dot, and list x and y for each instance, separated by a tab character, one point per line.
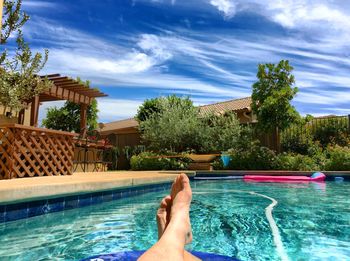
313	223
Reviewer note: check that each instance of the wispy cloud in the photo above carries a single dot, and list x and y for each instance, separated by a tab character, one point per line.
33	4
227	7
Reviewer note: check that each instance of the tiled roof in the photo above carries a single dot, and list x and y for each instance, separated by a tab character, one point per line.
119	125
220	107
231	105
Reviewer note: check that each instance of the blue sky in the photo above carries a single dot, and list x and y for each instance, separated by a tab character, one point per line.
208	49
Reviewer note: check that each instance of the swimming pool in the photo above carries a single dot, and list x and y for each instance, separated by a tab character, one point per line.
313	223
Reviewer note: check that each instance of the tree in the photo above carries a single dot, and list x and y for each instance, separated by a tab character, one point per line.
154	105
174	128
178	127
272	94
223	132
149	107
19	80
67	118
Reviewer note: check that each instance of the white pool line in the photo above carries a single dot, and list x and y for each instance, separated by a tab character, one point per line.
274	228
268	212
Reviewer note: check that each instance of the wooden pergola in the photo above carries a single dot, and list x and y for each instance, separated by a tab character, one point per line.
28	151
64	88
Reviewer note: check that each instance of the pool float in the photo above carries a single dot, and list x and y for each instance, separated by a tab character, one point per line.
316	177
134	255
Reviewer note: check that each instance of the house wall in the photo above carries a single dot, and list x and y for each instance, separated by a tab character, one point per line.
127	137
14	118
242	118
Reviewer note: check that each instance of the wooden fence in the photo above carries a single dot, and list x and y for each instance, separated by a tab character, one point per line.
28	152
322	129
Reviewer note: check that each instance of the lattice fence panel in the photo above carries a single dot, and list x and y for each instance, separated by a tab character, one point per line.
29	152
6	148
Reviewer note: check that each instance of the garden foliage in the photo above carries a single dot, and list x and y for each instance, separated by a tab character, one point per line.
178	127
67	118
339	158
152	161
299	138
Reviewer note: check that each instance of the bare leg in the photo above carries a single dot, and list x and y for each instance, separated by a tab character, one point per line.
171	244
163	218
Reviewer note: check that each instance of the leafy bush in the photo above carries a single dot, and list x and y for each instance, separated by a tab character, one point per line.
339	158
256	158
332	131
151	161
220	132
112	156
289	161
217	164
296	143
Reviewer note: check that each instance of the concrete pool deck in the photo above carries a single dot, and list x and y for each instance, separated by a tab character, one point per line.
28	189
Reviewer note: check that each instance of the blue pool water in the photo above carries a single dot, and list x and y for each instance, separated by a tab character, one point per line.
312	221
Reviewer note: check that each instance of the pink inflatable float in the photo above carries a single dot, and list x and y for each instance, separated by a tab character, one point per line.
317	177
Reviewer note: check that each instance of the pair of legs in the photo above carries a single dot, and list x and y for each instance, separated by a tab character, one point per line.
174	227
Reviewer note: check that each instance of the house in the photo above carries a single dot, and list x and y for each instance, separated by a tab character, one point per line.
125	132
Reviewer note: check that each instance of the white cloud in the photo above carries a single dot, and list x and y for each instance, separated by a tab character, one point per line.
37	4
153	44
323	97
303	13
117	109
77	61
322	19
227	7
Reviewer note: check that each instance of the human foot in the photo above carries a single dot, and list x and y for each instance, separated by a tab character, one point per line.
164	211
175	232
163	215
181	196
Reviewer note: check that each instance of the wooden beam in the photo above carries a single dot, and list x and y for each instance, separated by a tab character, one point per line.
21	115
1	7
65	94
34	111
83	119
64	80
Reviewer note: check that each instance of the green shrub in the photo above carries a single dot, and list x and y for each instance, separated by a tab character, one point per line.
217	164
332	131
256	158
112	156
339	158
151	161
296	143
289	161
220	132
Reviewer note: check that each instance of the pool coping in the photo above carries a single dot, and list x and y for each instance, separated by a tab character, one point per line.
31	189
